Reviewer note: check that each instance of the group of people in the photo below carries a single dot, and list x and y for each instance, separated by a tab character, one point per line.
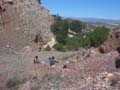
52	60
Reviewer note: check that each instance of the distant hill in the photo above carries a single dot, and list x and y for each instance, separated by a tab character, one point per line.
95	20
100	22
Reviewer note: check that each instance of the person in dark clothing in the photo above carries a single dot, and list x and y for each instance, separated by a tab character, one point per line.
64	66
52	61
36	60
117	60
117	63
118	49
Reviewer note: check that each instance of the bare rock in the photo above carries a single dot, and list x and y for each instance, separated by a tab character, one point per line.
112	42
27	49
22	21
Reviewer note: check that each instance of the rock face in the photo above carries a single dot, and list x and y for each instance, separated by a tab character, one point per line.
24	23
112	42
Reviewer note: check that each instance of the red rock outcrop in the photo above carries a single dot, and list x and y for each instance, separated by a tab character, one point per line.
21	21
112	42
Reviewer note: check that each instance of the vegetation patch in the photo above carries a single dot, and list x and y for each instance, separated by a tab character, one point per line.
48	48
59	47
36	87
70	35
54	82
14	82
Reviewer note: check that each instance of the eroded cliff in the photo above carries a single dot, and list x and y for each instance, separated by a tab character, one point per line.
23	21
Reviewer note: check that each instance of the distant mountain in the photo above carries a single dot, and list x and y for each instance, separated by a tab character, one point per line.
104	21
99	22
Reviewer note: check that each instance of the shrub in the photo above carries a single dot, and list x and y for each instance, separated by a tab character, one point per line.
54	82
98	36
72	43
76	26
59	47
36	87
85	42
78	41
48	48
14	82
60	29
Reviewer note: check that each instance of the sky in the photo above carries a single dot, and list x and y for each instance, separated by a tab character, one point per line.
104	9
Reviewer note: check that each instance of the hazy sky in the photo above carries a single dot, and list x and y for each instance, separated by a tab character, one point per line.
107	9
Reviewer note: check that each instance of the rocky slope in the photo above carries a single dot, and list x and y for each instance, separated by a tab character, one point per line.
86	70
24	23
112	42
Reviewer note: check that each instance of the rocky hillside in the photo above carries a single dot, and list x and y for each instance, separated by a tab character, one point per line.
24	23
112	42
84	70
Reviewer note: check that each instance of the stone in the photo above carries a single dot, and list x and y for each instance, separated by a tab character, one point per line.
110	75
27	49
50	43
64	66
102	49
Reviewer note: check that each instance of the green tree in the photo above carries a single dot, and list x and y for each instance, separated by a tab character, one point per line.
59	47
76	26
60	29
98	36
72	43
56	26
84	41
